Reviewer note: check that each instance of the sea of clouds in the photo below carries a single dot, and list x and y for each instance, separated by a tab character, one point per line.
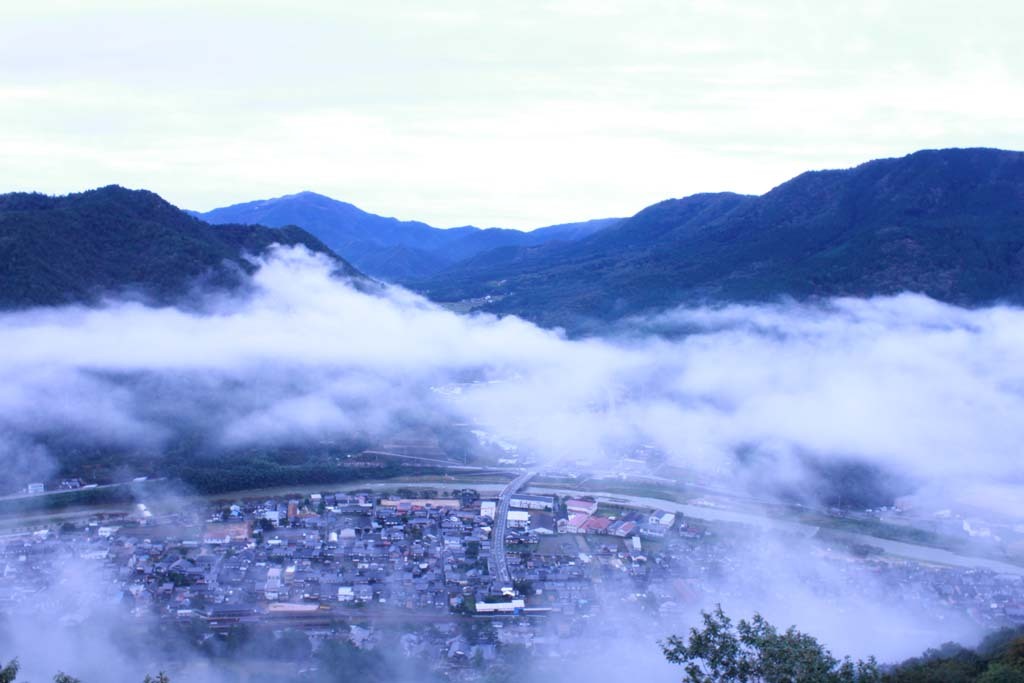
930	393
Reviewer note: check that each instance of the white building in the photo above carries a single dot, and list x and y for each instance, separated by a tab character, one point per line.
518	519
524	501
272	588
500	607
662	518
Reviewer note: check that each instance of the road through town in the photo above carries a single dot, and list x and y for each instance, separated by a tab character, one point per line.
498	564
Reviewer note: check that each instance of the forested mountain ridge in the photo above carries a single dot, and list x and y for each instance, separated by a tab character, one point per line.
946	223
78	247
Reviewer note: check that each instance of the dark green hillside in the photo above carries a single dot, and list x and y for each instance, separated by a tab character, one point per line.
75	248
946	223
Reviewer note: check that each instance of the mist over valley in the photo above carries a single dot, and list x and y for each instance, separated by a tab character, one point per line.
552	341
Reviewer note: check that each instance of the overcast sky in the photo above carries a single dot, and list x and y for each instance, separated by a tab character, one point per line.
513	114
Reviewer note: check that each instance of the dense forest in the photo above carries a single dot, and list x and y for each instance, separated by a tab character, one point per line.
755	651
946	223
113	241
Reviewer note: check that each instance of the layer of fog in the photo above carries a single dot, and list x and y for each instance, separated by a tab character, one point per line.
79	626
929	392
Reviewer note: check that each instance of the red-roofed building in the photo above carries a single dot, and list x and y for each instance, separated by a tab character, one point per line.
575	523
625	529
597	525
586	507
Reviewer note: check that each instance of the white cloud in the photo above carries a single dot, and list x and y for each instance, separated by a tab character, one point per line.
920	389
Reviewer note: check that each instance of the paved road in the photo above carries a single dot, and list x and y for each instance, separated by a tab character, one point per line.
90	487
499	560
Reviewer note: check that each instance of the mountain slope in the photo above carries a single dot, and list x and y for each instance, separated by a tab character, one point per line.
948	223
75	248
399	251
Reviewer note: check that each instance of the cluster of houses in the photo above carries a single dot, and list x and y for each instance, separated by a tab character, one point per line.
320	561
262	559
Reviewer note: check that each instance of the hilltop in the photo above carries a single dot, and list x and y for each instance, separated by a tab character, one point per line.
78	247
946	223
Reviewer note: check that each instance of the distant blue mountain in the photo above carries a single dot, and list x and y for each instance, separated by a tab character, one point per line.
387	248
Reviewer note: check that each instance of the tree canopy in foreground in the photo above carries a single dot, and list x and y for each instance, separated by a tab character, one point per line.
755	651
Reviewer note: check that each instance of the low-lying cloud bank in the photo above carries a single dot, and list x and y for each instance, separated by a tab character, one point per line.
930	393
